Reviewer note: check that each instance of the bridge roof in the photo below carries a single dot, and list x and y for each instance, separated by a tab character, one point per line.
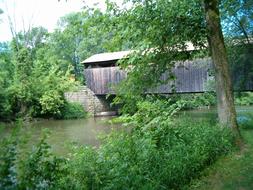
114	56
105	57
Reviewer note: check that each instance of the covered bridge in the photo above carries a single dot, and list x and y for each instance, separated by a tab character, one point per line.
101	72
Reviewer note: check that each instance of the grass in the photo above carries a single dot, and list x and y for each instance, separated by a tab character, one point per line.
232	172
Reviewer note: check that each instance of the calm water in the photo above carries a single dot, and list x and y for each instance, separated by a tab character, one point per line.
64	132
212	112
87	131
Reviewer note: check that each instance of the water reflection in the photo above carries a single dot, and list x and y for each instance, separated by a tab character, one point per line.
63	132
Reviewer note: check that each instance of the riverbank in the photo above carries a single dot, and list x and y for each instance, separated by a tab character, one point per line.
179	148
87	131
232	172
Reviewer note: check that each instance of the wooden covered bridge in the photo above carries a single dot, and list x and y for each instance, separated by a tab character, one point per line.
101	73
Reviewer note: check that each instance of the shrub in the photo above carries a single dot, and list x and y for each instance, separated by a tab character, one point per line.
8	156
41	169
83	170
36	169
196	100
158	152
244	99
51	102
72	110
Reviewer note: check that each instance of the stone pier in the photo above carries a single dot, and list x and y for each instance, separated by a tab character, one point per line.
95	105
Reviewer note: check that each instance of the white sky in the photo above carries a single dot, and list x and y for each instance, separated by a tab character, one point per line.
38	13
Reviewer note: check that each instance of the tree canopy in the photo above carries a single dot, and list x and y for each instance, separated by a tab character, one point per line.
159	32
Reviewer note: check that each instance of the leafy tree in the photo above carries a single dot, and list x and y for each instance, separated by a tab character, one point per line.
80	35
65	41
159	29
32	78
6	70
54	80
224	88
237	18
156	30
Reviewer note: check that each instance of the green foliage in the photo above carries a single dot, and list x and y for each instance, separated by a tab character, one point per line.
41	93
72	110
83	170
33	80
8	157
241	63
230	172
51	102
36	169
193	101
244	99
162	158
40	169
82	34
38	67
238	28
157	152
156	31
128	104
6	67
237	18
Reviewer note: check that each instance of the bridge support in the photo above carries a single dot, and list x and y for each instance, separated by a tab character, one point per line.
93	104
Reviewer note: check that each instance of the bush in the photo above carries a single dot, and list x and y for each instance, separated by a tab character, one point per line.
83	170
36	169
193	101
244	99
41	169
51	102
8	171
157	152
72	110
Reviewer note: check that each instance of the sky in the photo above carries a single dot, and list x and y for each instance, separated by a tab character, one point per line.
38	13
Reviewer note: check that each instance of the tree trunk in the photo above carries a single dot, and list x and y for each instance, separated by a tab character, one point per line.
224	88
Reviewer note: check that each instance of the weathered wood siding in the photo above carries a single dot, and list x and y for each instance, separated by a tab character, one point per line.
100	80
191	77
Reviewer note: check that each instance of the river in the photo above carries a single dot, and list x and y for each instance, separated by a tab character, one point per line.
63	132
87	131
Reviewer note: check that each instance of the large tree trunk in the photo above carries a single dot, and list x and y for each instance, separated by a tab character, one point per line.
224	89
